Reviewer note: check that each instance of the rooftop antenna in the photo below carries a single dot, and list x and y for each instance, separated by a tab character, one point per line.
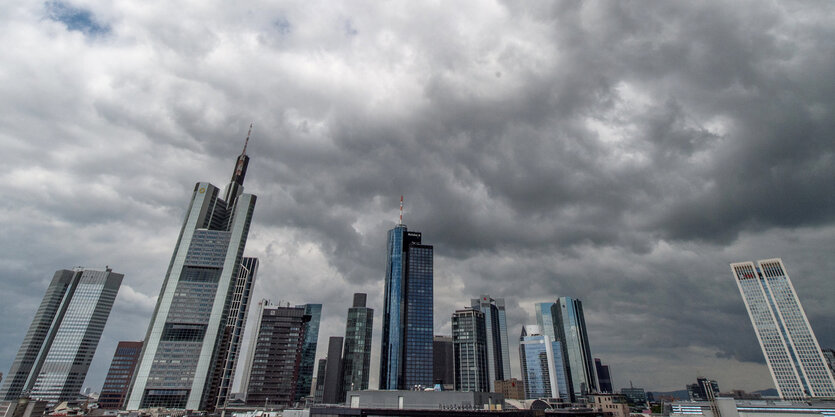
247	139
401	210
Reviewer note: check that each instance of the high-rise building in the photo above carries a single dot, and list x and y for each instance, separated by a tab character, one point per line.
332	389
186	345
117	382
443	362
56	353
276	357
498	350
829	355
406	343
604	377
542	365
469	345
320	381
703	390
570	330
790	347
545	320
311	338
356	356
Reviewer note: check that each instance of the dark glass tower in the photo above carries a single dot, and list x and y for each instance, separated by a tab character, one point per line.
469	345
332	389
443	362
495	324
56	353
311	338
604	378
116	384
191	344
570	329
406	345
356	356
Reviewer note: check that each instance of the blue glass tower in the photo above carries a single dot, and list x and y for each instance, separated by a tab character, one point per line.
311	338
406	351
543	368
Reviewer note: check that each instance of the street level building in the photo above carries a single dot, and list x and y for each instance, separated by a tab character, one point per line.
406	342
191	344
511	389
791	349
469	345
55	355
495	324
356	355
117	382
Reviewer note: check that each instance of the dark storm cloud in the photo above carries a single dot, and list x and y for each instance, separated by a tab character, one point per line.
614	152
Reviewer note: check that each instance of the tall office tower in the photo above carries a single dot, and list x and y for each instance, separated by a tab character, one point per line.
56	353
703	390
332	388
469	346
117	382
543	367
406	345
604	377
186	336
253	342
545	320
790	347
311	339
356	356
443	362
320	381
498	351
570	329
276	358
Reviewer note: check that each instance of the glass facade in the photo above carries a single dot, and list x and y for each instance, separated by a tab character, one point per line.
356	357
542	365
570	329
55	356
311	339
790	347
495	322
469	346
191	346
545	320
406	346
116	384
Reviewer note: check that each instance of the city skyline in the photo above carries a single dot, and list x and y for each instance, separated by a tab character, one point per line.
622	155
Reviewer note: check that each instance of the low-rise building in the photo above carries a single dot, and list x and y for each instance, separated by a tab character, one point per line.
617	404
511	389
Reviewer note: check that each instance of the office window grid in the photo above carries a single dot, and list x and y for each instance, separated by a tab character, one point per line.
417	369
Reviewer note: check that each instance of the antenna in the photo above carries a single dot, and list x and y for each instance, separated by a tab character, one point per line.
247	139
401	210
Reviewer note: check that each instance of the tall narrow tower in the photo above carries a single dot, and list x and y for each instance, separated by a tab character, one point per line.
790	347
356	356
406	351
570	330
495	324
189	353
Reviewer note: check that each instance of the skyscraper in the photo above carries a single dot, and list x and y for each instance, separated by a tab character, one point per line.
542	365
276	357
56	353
604	377
356	356
570	329
311	340
186	343
443	362
469	347
790	347
545	320
406	345
117	382
495	324
332	388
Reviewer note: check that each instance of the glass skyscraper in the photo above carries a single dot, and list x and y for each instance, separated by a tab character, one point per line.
406	345
790	347
469	347
542	365
545	320
55	355
189	352
356	356
311	340
498	351
570	330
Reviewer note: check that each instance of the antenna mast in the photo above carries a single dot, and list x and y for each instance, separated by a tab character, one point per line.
247	139
401	210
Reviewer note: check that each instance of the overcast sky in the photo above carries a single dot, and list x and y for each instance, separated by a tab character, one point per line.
623	153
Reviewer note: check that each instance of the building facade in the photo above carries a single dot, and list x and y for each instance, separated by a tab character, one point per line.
469	346
511	389
56	352
356	355
790	347
311	338
570	330
443	362
186	343
703	390
406	345
545	320
542	365
332	390
604	377
117	382
276	357
498	350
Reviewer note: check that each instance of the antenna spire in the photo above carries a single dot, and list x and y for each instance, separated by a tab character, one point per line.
247	139
401	210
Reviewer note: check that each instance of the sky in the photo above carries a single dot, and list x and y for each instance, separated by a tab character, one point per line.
622	153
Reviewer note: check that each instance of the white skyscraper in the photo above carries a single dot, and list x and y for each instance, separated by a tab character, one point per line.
790	347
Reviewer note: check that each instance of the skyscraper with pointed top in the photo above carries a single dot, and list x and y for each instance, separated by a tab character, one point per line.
191	345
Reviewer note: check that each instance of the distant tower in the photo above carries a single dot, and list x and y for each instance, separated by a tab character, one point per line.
443	362
542	365
192	340
55	355
332	389
570	330
545	320
406	345
604	377
116	385
469	346
495	324
356	357
790	347
311	340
